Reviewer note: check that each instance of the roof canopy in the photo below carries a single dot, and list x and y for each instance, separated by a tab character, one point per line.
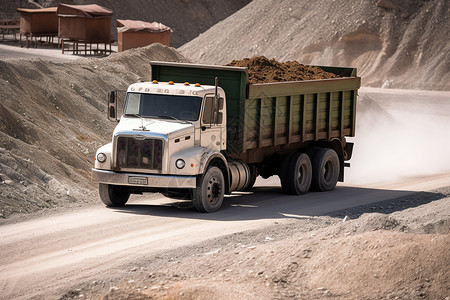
38	10
88	11
135	25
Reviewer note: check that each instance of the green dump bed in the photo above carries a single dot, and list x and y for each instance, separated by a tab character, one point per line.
267	117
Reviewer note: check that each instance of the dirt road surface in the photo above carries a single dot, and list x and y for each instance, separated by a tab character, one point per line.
43	257
10	50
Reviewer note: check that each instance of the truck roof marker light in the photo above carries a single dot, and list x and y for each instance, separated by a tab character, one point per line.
155	81
171	82
197	84
186	83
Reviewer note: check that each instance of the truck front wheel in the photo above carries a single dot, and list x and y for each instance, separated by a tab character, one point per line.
325	170
208	196
296	174
112	195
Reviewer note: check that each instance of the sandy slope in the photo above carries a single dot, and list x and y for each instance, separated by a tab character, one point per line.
393	43
53	119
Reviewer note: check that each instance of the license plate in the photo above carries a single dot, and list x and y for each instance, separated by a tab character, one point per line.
138	180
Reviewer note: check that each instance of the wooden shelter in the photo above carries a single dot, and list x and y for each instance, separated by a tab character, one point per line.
83	26
89	22
41	22
134	33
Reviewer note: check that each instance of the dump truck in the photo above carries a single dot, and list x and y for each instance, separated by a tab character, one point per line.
200	132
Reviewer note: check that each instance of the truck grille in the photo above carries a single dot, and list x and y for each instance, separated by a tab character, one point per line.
139	154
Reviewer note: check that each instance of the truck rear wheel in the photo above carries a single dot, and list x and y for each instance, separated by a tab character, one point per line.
112	195
208	196
284	169
296	174
325	170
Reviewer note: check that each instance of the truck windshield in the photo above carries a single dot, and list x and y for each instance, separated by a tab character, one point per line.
163	106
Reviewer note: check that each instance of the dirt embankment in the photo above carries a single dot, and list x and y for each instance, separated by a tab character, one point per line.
52	120
264	70
393	43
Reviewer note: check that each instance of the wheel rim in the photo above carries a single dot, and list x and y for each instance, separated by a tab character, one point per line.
213	190
300	174
328	171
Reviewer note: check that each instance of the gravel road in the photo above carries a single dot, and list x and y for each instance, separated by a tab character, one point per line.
45	256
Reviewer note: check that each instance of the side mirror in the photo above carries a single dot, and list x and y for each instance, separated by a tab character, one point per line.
112	113
220	103
218	117
112	106
211	112
112	96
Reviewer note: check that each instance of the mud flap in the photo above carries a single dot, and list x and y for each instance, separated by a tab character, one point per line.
348	151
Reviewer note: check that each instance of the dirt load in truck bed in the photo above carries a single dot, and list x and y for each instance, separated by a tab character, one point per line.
264	70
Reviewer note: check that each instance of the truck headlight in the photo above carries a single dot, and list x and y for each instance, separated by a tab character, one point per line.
101	157
180	163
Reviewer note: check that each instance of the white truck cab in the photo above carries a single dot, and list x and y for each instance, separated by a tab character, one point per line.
165	137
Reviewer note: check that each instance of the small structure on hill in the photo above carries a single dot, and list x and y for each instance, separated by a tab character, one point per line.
9	26
84	25
135	33
41	22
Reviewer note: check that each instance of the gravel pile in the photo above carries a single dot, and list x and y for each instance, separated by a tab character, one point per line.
264	70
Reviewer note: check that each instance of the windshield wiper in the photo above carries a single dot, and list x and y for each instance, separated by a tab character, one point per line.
159	117
134	115
173	118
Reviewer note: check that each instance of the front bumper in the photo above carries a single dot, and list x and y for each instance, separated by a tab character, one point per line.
143	180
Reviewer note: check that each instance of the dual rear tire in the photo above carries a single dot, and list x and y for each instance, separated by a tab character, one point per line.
298	173
326	168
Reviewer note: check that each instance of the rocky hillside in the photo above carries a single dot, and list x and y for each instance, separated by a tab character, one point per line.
187	18
53	119
393	43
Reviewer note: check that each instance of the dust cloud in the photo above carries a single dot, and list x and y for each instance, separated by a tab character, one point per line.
400	135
